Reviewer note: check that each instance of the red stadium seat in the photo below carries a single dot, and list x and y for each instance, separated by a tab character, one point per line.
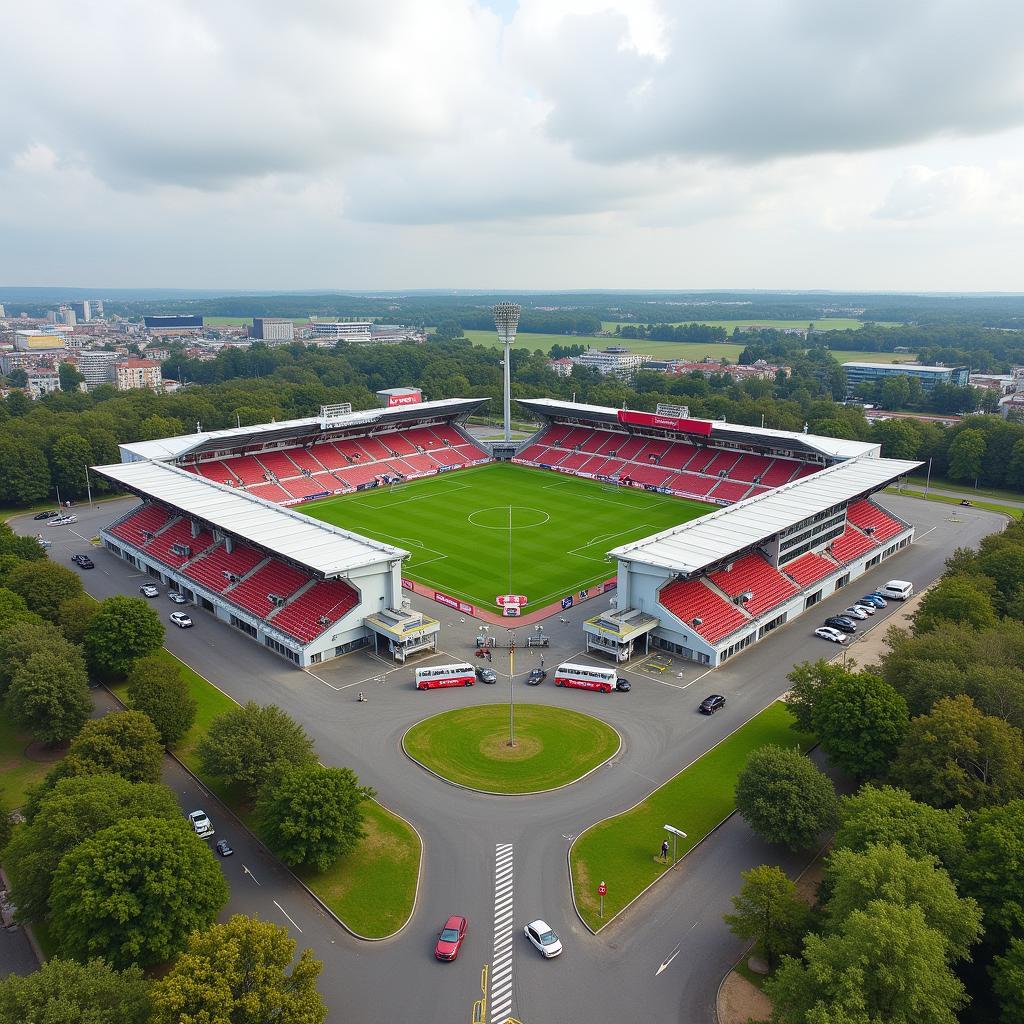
692	599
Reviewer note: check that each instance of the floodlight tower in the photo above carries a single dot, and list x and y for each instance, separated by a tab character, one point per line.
506	319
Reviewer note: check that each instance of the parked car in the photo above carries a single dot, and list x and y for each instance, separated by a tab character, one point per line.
709	705
853	612
223	848
449	942
543	938
181	619
148	590
965	503
623	685
841	623
83	561
62	520
897	590
177	598
536	677
874	598
828	633
45	515
865	607
201	824
486	675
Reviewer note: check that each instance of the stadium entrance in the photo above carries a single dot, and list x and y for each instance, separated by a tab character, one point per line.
400	635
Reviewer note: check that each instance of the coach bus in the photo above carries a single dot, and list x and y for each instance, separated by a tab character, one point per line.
444	675
589	677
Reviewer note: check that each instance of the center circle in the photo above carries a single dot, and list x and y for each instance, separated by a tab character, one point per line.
501	517
470	747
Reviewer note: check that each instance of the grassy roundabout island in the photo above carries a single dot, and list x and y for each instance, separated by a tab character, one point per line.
469	746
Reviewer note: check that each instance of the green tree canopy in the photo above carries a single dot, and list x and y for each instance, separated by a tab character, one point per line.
74	616
14	610
770	913
807	681
19	640
66	992
957	755
122	630
239	972
785	798
955	599
123	743
69	460
886	815
135	891
70	377
313	815
157	688
26	476
966	452
74	810
1008	983
993	866
49	697
44	585
252	744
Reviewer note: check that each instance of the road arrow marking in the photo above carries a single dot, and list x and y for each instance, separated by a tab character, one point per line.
667	961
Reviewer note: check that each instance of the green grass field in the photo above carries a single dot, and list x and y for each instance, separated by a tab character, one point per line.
469	746
624	850
457	527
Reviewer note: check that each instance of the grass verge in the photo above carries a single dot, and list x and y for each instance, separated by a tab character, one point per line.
469	746
373	890
623	850
949	499
17	773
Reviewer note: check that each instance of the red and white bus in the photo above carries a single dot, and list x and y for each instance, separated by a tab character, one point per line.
445	675
586	677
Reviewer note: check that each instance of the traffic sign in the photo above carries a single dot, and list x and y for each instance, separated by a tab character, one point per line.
517	600
602	890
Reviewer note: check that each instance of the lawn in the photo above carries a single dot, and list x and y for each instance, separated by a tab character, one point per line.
623	851
835	323
372	890
17	773
457	526
469	746
949	499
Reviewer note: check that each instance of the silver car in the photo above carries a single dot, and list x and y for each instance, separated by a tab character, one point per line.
542	936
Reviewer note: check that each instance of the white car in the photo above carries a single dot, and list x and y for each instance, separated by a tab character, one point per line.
201	824
865	607
175	598
180	619
543	937
828	633
855	612
62	520
148	590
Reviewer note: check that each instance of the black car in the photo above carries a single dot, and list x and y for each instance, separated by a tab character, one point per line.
223	848
83	561
486	675
623	685
44	515
536	677
709	705
842	623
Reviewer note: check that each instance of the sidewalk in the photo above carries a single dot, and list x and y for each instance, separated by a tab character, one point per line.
870	647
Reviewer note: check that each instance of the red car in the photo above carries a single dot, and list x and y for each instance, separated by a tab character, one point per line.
450	939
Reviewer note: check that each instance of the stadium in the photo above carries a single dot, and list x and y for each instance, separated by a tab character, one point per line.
710	534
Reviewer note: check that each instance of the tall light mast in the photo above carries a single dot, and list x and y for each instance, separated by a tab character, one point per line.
506	320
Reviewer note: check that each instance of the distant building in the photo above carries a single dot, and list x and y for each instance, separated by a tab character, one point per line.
42	381
1004	383
325	331
929	376
394	334
708	367
24	360
3	312
96	367
272	328
67	316
174	324
37	341
137	373
561	367
614	361
160	354
83	310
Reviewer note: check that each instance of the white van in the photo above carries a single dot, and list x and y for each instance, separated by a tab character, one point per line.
897	590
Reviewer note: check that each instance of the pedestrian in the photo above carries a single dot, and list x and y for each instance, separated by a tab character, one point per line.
664	850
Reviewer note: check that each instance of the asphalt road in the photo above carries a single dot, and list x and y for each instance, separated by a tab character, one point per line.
609	977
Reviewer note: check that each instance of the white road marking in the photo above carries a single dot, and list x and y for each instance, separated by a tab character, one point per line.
667	961
246	871
501	962
285	912
324	681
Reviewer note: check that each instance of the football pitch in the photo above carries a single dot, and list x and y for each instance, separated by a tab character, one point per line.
506	529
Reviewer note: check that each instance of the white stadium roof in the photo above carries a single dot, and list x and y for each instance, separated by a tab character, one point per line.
324	549
700	543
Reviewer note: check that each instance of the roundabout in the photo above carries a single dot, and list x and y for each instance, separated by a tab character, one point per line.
469	747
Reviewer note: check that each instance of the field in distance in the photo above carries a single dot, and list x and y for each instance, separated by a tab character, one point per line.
457	527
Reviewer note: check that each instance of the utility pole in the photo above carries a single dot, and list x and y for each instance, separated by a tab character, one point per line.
506	320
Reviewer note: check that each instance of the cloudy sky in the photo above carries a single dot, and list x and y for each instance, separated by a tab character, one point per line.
383	144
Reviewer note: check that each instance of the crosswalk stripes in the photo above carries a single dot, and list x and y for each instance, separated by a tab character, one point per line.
501	962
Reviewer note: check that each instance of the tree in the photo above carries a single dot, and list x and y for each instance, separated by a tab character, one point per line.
70	458
70	377
807	681
955	599
856	879
1008	983
26	476
313	815
154	427
993	866
72	811
74	616
785	798
885	965
239	972
122	630
49	697
123	743
887	815
14	610
1015	469
861	720
157	688
957	755
770	913
134	892
18	378
44	585
19	640
966	452
250	745
62	992
6	824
